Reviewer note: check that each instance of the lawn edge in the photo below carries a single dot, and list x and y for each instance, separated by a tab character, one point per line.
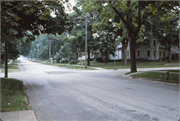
153	80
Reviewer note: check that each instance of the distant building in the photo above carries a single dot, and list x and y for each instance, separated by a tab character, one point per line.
149	51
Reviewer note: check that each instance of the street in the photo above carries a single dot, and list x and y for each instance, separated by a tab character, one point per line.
61	94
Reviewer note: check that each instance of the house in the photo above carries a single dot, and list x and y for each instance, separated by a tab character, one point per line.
152	50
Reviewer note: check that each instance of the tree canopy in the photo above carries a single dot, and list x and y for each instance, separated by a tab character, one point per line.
28	18
132	15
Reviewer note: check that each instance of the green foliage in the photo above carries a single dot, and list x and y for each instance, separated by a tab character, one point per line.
25	47
74	61
64	61
132	15
65	51
21	16
99	59
25	19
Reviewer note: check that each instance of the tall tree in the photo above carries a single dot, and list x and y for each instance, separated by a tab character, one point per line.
106	44
167	31
29	18
25	46
132	16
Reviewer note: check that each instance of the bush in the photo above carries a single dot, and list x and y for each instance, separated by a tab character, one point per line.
99	59
64	61
57	60
74	61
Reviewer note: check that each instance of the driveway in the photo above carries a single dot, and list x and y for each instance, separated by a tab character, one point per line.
61	94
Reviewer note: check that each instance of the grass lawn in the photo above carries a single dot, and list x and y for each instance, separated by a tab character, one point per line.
170	70
12	67
67	65
73	66
117	65
158	75
12	95
139	64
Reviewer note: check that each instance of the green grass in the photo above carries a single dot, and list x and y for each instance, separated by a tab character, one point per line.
67	65
12	67
159	76
12	95
74	66
170	70
119	65
139	64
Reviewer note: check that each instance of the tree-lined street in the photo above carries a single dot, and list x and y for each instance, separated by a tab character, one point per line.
61	94
141	34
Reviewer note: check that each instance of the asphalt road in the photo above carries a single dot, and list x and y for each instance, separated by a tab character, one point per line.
61	94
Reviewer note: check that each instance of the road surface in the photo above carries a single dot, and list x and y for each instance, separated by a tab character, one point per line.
61	94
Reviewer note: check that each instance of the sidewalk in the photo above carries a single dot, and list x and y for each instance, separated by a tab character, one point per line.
27	115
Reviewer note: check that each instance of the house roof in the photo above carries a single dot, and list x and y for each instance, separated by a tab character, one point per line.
175	49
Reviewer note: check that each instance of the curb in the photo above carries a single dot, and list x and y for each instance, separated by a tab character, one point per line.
153	80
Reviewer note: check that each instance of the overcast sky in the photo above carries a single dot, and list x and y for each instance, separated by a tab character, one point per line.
72	2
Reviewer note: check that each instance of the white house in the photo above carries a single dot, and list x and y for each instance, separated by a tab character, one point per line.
151	51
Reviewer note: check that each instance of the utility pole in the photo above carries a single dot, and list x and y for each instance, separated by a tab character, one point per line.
38	51
86	46
53	52
85	40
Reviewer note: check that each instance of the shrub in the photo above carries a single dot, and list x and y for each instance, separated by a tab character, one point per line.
64	61
74	61
99	59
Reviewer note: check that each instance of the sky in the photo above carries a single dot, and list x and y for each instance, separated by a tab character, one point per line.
72	2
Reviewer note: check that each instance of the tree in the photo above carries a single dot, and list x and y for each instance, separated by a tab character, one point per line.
64	51
29	18
132	16
18	17
167	31
25	47
106	44
78	32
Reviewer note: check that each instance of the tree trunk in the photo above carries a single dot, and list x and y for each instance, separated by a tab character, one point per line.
132	41
124	54
76	52
53	52
106	59
88	57
6	59
31	56
169	55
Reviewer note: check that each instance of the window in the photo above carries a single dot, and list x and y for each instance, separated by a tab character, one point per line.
154	52
138	53
148	53
159	53
154	42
